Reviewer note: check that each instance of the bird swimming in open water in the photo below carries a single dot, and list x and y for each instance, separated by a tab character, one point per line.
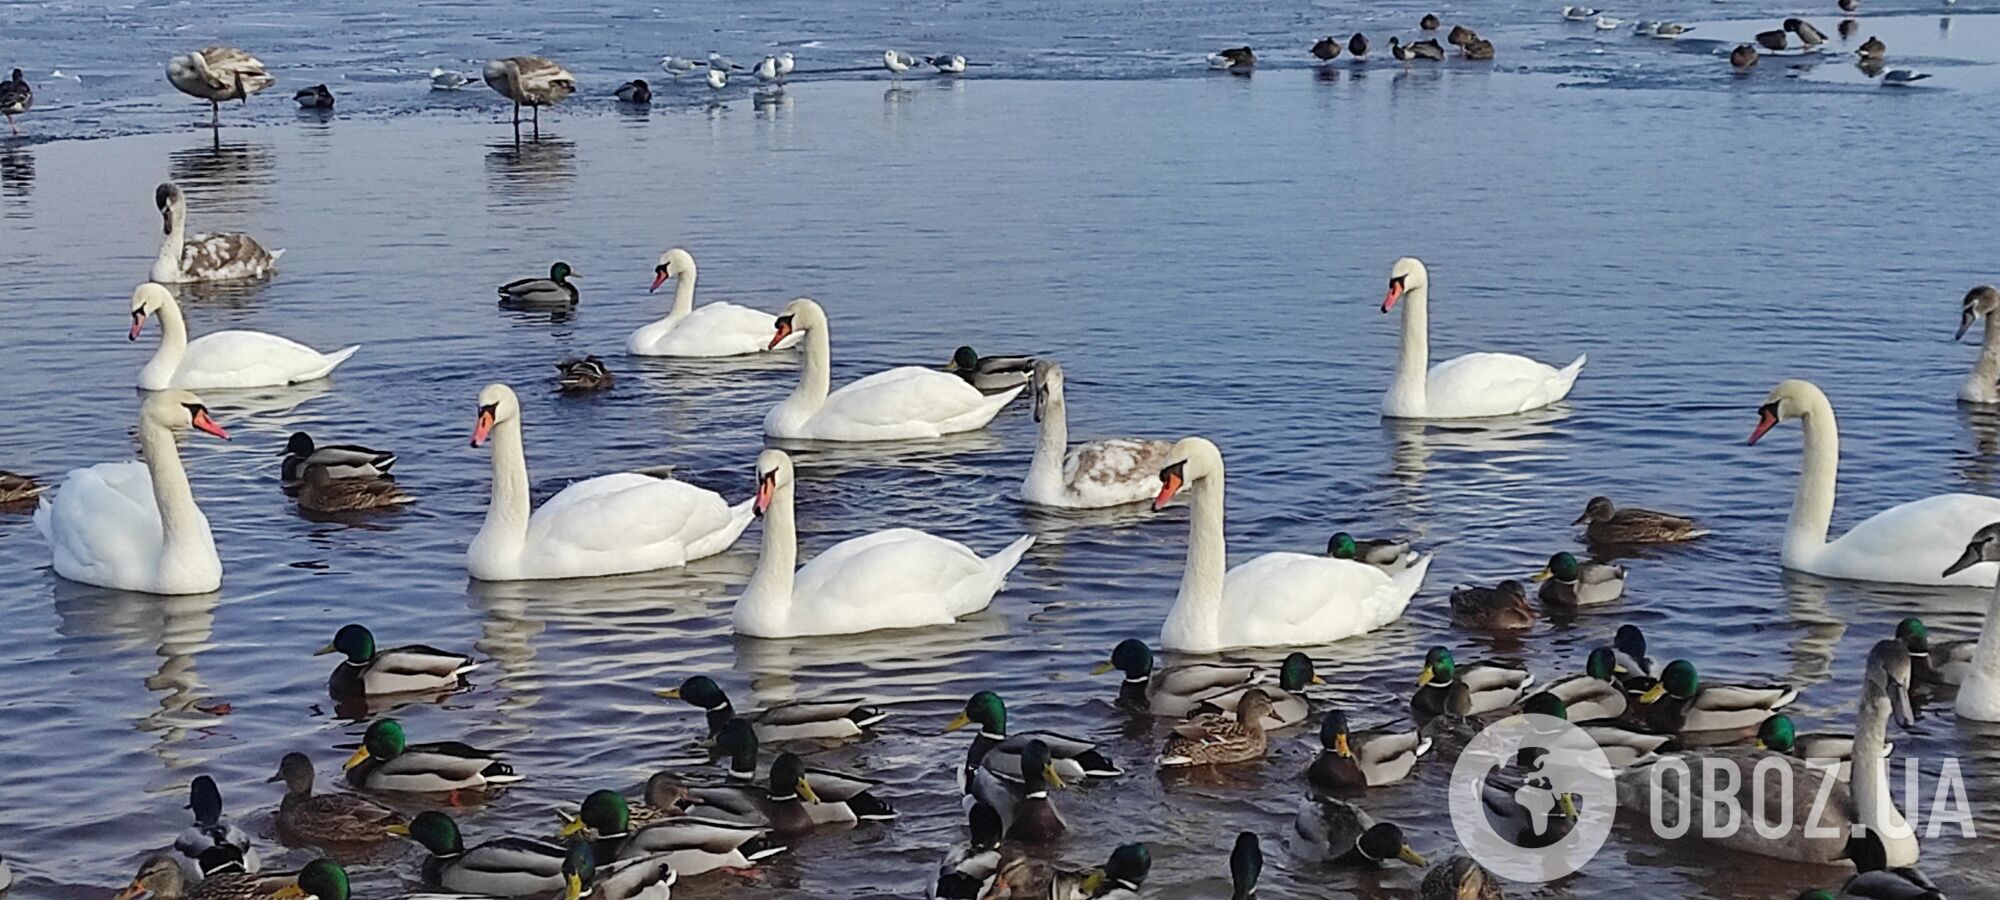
541	293
216	74
16	97
315	97
1743	57
636	91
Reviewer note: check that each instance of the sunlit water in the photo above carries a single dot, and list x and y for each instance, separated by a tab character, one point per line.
1205	255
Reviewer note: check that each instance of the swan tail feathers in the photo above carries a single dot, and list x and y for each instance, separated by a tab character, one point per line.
1005	561
275	254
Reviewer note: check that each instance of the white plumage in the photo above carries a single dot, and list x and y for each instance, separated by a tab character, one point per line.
1475	385
713	329
223	359
906	403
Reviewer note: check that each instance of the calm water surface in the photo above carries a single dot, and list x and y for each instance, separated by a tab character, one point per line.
1205	255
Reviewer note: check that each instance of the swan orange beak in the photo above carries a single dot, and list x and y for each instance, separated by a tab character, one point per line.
1170	484
1767	419
203	422
766	486
784	331
659	278
138	324
482	426
1395	294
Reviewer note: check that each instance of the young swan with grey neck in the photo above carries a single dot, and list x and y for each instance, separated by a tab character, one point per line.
1904	544
608	525
1476	385
231	256
1983	385
221	359
134	526
1979	692
898	578
1092	475
1274	600
716	329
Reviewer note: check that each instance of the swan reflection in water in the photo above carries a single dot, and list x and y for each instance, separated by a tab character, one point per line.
176	629
222	178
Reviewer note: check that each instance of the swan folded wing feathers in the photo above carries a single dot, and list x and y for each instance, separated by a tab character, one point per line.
905	563
623	512
111	496
226	257
1915	540
1291	598
1510	382
909	396
252	359
1115	461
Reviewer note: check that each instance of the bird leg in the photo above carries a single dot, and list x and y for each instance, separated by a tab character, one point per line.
214	114
11	124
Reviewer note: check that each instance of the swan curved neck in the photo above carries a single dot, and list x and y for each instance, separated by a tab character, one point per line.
769	592
181	523
1986	372
1200	602
1874	803
506	527
683	295
816	377
1051	443
167	267
1413	361
1812	506
1986	654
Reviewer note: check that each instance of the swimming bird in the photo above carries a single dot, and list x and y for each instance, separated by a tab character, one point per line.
1835	751
718	61
1460	36
996	752
16	97
1326	49
1389	556
320	492
635	91
19	490
1743	57
676	66
582	376
1216	740
1479	48
388	762
1873	48
968	869
990	374
1670	30
368	671
1232	58
503	867
1681	702
1808	35
1503	607
221	359
1475	385
1357	46
797	721
227	256
216	74
328	818
1606	523
541	293
442	80
897	62
1774	40
342	460
949	64
1349	760
1607	23
1469	690
718	78
1341	833
1107	472
1459	878
1246	863
533	81
1900	77
1568	583
1596	694
1937	663
1578	13
1173	691
315	97
211	829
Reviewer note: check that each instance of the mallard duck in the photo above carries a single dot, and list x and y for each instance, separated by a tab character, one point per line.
1246	865
1349	761
1624	746
1233	58
1873	49
16	97
386	762
305	818
1745	56
1597	693
1460	36
1326	49
1503	607
1217	740
1175	691
1025	806
581	376
19	489
1680	702
211	829
1427	48
1568	583
842	798
1607	524
1338	832
991	374
323	493
6	874
1025	876
411	668
812	720
223	878
636	91
640	878
1935	662
1808	35
1287	698
1475	689
216	74
997	751
1429	22
1358	46
504	867
695	846
1836	751
1459	878
968	869
315	97
786	804
1875	879
1389	556
340	460
1480	49
1397	50
553	292
1500	799
531	81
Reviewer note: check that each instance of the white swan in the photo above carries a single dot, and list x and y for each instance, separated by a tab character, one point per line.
1476	385
229	256
716	329
1907	544
898	578
1983	385
905	403
134	526
608	525
222	359
1274	600
1109	472
1979	693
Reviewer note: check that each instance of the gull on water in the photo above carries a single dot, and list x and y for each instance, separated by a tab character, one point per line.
1606	23
1579	13
442	80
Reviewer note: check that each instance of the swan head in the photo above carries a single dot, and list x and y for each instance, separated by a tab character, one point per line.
1048	386
1791	399
171	202
1984	547
675	263
1983	300
1190	460
799	315
173	409
497	404
1888	679
1408	274
147	299
774	474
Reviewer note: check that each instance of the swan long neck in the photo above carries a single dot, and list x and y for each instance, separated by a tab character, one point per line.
507	513
1812	506
1986	372
1413	362
1874	802
777	564
817	376
168	264
1051	441
1207	559
683	294
1986	654
180	519
173	337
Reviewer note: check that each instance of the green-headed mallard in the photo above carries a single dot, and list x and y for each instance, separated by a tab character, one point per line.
1635	669
1175	691
1682	703
1935	662
412	668
994	749
1219	740
1503	607
1597	693
815	720
968	869
1779	734
786	804
222	877
1353	760
1246	865
1459	878
342	460
306	818
1338	832
582	376
1023	876
553	292
1470	690
843	797
1288	705
1608	524
1568	583
387	762
695	846
1030	814
1389	556
211	829
504	867
1551	819
1624	746
991	374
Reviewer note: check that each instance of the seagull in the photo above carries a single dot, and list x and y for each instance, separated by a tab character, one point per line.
442	80
1646	28
1232	58
718	77
1902	77
1606	23
897	62
718	61
949	63
677	66
1578	13
785	64
767	71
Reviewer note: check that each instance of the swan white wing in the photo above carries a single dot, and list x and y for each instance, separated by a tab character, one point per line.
1494	384
714	329
904	402
1283	599
624	522
245	359
232	256
102	523
1115	471
1911	543
899	578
